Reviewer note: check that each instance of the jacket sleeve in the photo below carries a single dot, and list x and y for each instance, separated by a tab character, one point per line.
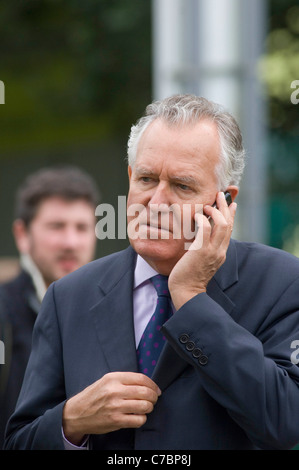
36	423
255	377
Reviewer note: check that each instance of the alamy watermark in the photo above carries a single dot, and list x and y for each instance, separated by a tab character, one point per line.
154	222
2	353
295	354
2	92
295	94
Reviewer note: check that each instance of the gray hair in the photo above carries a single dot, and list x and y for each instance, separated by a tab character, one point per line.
188	109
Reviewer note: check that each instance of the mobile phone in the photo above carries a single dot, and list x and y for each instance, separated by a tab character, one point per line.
228	199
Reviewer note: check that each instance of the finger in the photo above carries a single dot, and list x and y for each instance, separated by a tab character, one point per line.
139	407
229	228
228	211
145	381
221	202
134	378
139	392
223	222
131	420
221	206
204	230
233	209
220	225
230	220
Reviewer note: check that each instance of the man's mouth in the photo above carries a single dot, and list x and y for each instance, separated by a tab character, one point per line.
158	227
67	262
155	231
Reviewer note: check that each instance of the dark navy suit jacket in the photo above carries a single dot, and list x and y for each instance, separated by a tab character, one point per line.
226	374
18	311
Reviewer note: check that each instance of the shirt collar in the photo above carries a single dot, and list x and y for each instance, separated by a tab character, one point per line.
30	267
143	271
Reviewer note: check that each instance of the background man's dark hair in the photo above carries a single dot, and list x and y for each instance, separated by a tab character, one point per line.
67	182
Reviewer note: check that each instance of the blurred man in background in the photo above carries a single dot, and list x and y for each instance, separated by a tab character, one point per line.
54	230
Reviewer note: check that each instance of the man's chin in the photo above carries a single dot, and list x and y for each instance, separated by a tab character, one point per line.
61	272
161	249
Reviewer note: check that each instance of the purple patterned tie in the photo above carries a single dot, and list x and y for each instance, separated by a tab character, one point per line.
152	340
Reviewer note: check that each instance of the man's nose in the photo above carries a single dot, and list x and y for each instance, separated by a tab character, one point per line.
160	196
70	238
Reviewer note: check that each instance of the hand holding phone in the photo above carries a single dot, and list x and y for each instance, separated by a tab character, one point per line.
228	199
194	270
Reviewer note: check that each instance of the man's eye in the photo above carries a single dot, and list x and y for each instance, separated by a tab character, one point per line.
146	179
184	187
82	228
55	226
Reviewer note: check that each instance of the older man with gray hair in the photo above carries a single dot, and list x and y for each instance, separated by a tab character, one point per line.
163	347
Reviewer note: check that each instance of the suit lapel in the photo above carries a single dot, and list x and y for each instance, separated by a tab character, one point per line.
170	365
33	302
113	314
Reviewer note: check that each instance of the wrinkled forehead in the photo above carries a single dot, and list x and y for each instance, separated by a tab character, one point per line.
181	146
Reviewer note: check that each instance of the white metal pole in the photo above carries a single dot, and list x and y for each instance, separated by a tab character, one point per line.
211	48
167	46
254	188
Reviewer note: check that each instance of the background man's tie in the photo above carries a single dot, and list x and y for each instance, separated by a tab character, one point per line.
152	340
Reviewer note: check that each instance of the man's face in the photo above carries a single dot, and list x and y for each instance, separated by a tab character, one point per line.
61	237
174	166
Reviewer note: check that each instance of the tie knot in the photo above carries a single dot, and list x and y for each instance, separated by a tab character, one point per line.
161	285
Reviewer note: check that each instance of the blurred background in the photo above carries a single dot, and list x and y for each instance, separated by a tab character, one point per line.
78	74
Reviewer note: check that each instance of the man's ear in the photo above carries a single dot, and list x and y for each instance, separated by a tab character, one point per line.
21	236
233	190
129	172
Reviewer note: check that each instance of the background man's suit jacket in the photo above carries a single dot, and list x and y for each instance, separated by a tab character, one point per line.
18	310
245	395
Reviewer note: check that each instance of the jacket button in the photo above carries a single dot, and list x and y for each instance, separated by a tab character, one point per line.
196	353
184	338
190	346
203	360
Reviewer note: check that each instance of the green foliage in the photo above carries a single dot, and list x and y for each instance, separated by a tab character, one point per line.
280	65
278	69
73	70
